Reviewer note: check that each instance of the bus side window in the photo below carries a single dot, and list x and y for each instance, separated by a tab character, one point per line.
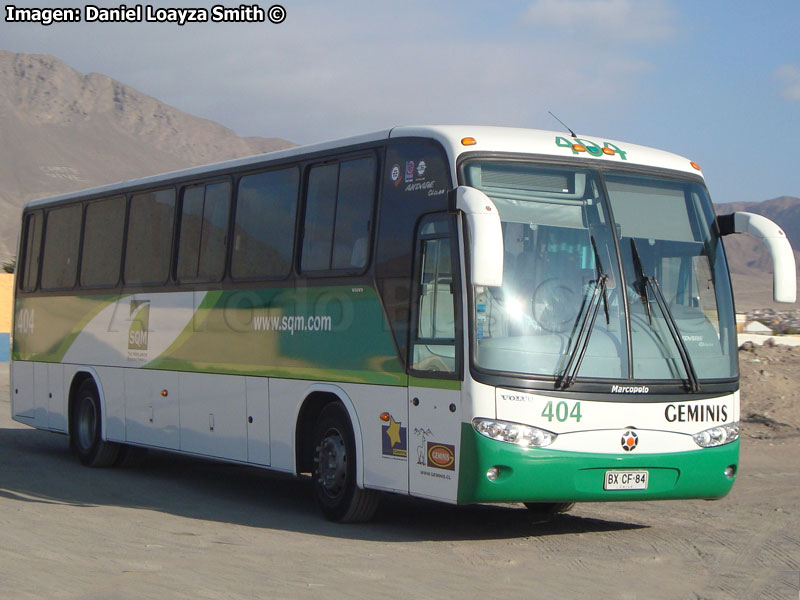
434	335
354	213
61	243
263	232
319	218
33	248
203	232
102	242
408	162
338	217
147	250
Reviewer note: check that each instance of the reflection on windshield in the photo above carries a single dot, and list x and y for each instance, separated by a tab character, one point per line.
559	241
670	225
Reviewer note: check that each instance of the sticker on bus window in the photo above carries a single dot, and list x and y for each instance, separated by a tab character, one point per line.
409	171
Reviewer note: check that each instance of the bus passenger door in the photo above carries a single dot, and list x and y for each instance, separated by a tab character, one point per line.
434	361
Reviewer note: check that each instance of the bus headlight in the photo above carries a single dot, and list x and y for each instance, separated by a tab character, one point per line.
514	433
717	436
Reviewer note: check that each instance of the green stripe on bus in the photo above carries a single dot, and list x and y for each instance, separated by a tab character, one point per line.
376	377
198	320
335	333
438	384
58	321
332	333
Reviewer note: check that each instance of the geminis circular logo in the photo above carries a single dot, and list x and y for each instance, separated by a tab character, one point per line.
629	440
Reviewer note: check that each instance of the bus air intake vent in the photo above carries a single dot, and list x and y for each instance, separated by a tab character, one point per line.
504	177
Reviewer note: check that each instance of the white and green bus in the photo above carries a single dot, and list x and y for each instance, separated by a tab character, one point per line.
466	314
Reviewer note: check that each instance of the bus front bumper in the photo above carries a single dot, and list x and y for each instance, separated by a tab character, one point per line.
542	475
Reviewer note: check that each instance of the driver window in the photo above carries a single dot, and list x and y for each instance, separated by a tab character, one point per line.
433	345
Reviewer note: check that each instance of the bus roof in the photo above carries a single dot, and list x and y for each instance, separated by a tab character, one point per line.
486	139
544	142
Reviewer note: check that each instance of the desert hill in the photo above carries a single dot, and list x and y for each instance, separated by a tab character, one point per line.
61	130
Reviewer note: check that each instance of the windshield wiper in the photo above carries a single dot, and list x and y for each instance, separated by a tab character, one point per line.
641	281
601	273
672	325
570	372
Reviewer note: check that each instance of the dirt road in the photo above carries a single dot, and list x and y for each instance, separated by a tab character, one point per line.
185	528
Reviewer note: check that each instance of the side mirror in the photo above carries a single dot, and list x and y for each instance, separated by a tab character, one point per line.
784	286
485	235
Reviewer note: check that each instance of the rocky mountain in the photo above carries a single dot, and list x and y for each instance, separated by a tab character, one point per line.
749	261
61	130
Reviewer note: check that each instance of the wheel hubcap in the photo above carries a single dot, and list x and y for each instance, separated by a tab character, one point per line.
332	464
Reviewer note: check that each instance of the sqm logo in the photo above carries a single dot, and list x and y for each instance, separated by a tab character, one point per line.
140	323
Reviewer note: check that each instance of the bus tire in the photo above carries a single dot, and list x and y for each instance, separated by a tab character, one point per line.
545	511
85	436
334	469
130	456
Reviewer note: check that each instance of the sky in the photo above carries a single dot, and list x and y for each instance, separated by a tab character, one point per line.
717	81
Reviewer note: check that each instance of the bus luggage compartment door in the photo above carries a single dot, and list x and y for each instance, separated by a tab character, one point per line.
434	440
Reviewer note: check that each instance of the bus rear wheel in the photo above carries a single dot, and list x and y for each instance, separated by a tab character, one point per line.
545	511
130	456
85	437
334	471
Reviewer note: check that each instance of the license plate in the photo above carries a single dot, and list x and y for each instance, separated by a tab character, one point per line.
626	480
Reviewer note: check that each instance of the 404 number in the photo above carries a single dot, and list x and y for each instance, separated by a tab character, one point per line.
24	321
578	145
562	411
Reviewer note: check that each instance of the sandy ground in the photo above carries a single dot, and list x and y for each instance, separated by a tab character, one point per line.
185	528
770	382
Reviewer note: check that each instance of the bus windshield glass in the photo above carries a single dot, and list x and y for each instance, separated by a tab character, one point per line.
613	275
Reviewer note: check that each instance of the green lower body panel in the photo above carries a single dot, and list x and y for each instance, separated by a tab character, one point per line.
542	475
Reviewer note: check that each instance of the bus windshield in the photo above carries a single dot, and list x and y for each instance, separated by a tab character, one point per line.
614	275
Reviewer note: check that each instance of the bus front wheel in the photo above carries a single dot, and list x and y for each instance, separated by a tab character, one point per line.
334	471
85	437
